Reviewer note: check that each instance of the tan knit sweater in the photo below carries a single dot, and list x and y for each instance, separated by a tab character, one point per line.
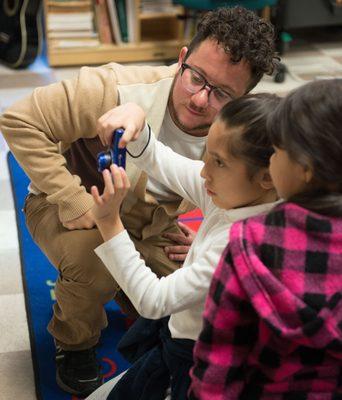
39	129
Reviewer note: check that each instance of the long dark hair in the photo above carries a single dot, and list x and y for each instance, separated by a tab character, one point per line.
250	142
307	124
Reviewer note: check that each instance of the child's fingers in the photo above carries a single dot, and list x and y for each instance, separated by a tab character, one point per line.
107	178
125	179
117	178
96	196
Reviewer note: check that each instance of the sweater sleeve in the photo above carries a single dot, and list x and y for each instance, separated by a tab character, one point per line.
61	112
230	330
178	173
155	297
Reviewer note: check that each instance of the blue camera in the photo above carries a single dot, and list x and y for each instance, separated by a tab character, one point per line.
113	155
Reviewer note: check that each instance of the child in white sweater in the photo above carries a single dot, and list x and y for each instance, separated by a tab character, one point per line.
233	183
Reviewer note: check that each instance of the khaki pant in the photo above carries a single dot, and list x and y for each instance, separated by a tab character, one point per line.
84	284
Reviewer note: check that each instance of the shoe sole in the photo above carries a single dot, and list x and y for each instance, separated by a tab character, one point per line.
68	389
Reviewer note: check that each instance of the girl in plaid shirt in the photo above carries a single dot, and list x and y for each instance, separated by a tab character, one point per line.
231	184
273	316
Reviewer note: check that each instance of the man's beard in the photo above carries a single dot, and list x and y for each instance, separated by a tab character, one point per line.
200	130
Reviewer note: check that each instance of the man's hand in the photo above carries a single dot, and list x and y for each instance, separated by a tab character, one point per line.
128	116
85	221
183	240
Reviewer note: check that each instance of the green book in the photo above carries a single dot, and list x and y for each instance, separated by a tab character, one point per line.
121	10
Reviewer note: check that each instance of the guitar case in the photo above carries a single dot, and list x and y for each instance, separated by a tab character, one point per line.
20	32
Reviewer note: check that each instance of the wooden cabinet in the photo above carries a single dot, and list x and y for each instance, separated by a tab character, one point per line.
159	36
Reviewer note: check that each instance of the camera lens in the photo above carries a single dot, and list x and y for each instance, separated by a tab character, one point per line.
104	160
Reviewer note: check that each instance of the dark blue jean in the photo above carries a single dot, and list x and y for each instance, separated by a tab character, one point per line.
158	362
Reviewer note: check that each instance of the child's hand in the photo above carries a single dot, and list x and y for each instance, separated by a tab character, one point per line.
106	210
129	116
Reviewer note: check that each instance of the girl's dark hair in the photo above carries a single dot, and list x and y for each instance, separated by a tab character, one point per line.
307	124
248	114
243	35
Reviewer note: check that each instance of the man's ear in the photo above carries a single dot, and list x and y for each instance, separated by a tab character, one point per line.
265	180
182	55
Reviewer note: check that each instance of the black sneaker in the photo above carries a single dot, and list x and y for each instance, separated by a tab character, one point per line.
78	372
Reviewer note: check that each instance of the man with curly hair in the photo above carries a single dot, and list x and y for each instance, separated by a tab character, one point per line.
53	135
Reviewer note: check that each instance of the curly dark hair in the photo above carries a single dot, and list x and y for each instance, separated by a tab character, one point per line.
243	35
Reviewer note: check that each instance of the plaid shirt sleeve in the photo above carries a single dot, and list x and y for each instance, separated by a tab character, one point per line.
230	330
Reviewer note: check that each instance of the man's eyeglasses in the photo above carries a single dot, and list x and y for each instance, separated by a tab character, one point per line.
194	82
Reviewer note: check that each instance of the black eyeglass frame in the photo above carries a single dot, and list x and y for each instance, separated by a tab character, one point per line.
206	84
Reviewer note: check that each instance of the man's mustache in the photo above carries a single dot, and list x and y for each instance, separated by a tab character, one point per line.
196	108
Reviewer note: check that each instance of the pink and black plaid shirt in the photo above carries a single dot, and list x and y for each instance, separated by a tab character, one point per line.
273	315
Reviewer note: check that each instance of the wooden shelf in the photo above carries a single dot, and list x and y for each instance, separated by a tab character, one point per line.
156	15
160	38
144	51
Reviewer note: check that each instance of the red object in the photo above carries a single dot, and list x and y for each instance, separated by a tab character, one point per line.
192	219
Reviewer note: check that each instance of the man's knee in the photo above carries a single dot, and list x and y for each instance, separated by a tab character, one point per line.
81	265
70	251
